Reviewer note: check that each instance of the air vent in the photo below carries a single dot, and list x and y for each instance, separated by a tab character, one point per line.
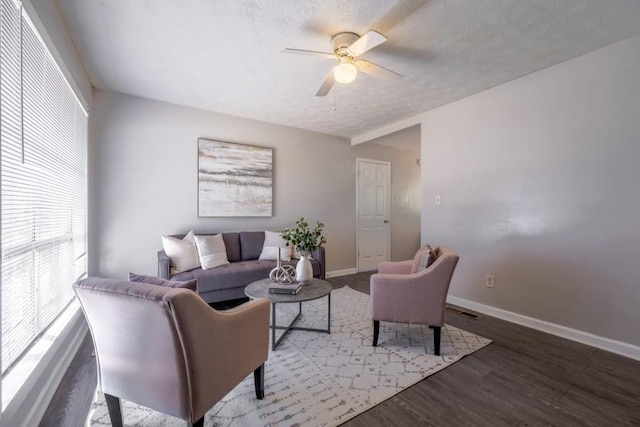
462	313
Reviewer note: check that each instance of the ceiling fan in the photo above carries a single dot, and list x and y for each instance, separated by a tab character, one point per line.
347	48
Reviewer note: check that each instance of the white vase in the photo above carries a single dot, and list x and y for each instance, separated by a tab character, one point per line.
304	270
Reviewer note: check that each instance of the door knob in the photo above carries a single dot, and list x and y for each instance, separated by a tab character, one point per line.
386	221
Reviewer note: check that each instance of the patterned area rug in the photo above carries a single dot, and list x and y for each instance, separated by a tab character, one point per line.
318	379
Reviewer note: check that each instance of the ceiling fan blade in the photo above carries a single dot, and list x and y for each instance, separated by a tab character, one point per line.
309	52
366	42
376	71
327	84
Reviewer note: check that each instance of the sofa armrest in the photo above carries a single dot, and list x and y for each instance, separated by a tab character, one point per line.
319	255
164	265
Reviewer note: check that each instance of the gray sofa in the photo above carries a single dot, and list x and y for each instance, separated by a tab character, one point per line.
227	282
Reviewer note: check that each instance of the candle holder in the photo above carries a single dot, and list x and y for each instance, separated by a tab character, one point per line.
282	274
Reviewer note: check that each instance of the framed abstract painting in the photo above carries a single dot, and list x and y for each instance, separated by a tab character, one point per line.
234	179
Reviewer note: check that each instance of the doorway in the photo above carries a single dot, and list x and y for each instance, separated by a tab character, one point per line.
373	213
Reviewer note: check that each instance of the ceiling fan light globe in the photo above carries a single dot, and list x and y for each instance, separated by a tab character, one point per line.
345	72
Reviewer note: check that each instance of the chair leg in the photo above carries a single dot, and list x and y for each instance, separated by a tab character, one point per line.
199	423
376	332
115	412
436	339
258	378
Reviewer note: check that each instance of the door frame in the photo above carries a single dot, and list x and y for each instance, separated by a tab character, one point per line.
388	185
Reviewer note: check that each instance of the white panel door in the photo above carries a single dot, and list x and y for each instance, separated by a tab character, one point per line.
373	213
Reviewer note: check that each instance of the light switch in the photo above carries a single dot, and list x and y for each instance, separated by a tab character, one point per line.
438	200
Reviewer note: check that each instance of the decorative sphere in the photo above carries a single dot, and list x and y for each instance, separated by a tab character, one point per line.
283	274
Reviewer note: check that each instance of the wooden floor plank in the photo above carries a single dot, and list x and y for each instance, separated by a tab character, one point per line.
525	377
71	402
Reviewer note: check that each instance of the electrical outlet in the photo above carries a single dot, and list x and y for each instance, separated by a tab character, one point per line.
490	281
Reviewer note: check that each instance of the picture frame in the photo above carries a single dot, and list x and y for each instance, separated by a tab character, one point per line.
234	180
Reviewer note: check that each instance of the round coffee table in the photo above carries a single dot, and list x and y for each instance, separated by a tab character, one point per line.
317	288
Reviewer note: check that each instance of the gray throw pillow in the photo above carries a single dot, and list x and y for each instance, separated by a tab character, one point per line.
159	281
423	259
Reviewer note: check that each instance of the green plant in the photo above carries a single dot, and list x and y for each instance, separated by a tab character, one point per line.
303	238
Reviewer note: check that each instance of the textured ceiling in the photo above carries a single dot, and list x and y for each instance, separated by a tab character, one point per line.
224	56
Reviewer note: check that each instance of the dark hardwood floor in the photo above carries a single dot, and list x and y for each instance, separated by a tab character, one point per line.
524	377
71	402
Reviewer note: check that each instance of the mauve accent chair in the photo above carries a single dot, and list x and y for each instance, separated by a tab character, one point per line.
166	349
401	294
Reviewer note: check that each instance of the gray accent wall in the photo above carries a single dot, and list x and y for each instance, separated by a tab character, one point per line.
143	181
539	184
144	175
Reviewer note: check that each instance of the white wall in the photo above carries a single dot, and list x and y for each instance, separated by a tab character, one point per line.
539	183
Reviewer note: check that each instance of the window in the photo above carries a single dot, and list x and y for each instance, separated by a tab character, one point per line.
43	177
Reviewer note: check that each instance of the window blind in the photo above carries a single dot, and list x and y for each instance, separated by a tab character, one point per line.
43	177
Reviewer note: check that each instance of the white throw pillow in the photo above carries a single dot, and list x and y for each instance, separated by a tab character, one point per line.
182	253
273	241
270	253
212	251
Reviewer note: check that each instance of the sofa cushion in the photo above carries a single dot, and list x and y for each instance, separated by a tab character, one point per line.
182	252
232	243
251	243
232	275
272	242
270	253
235	274
159	281
211	251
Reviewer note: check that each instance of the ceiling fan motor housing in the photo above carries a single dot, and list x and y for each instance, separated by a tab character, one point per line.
341	43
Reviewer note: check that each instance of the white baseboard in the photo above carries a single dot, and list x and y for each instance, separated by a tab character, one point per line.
338	273
39	382
618	347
